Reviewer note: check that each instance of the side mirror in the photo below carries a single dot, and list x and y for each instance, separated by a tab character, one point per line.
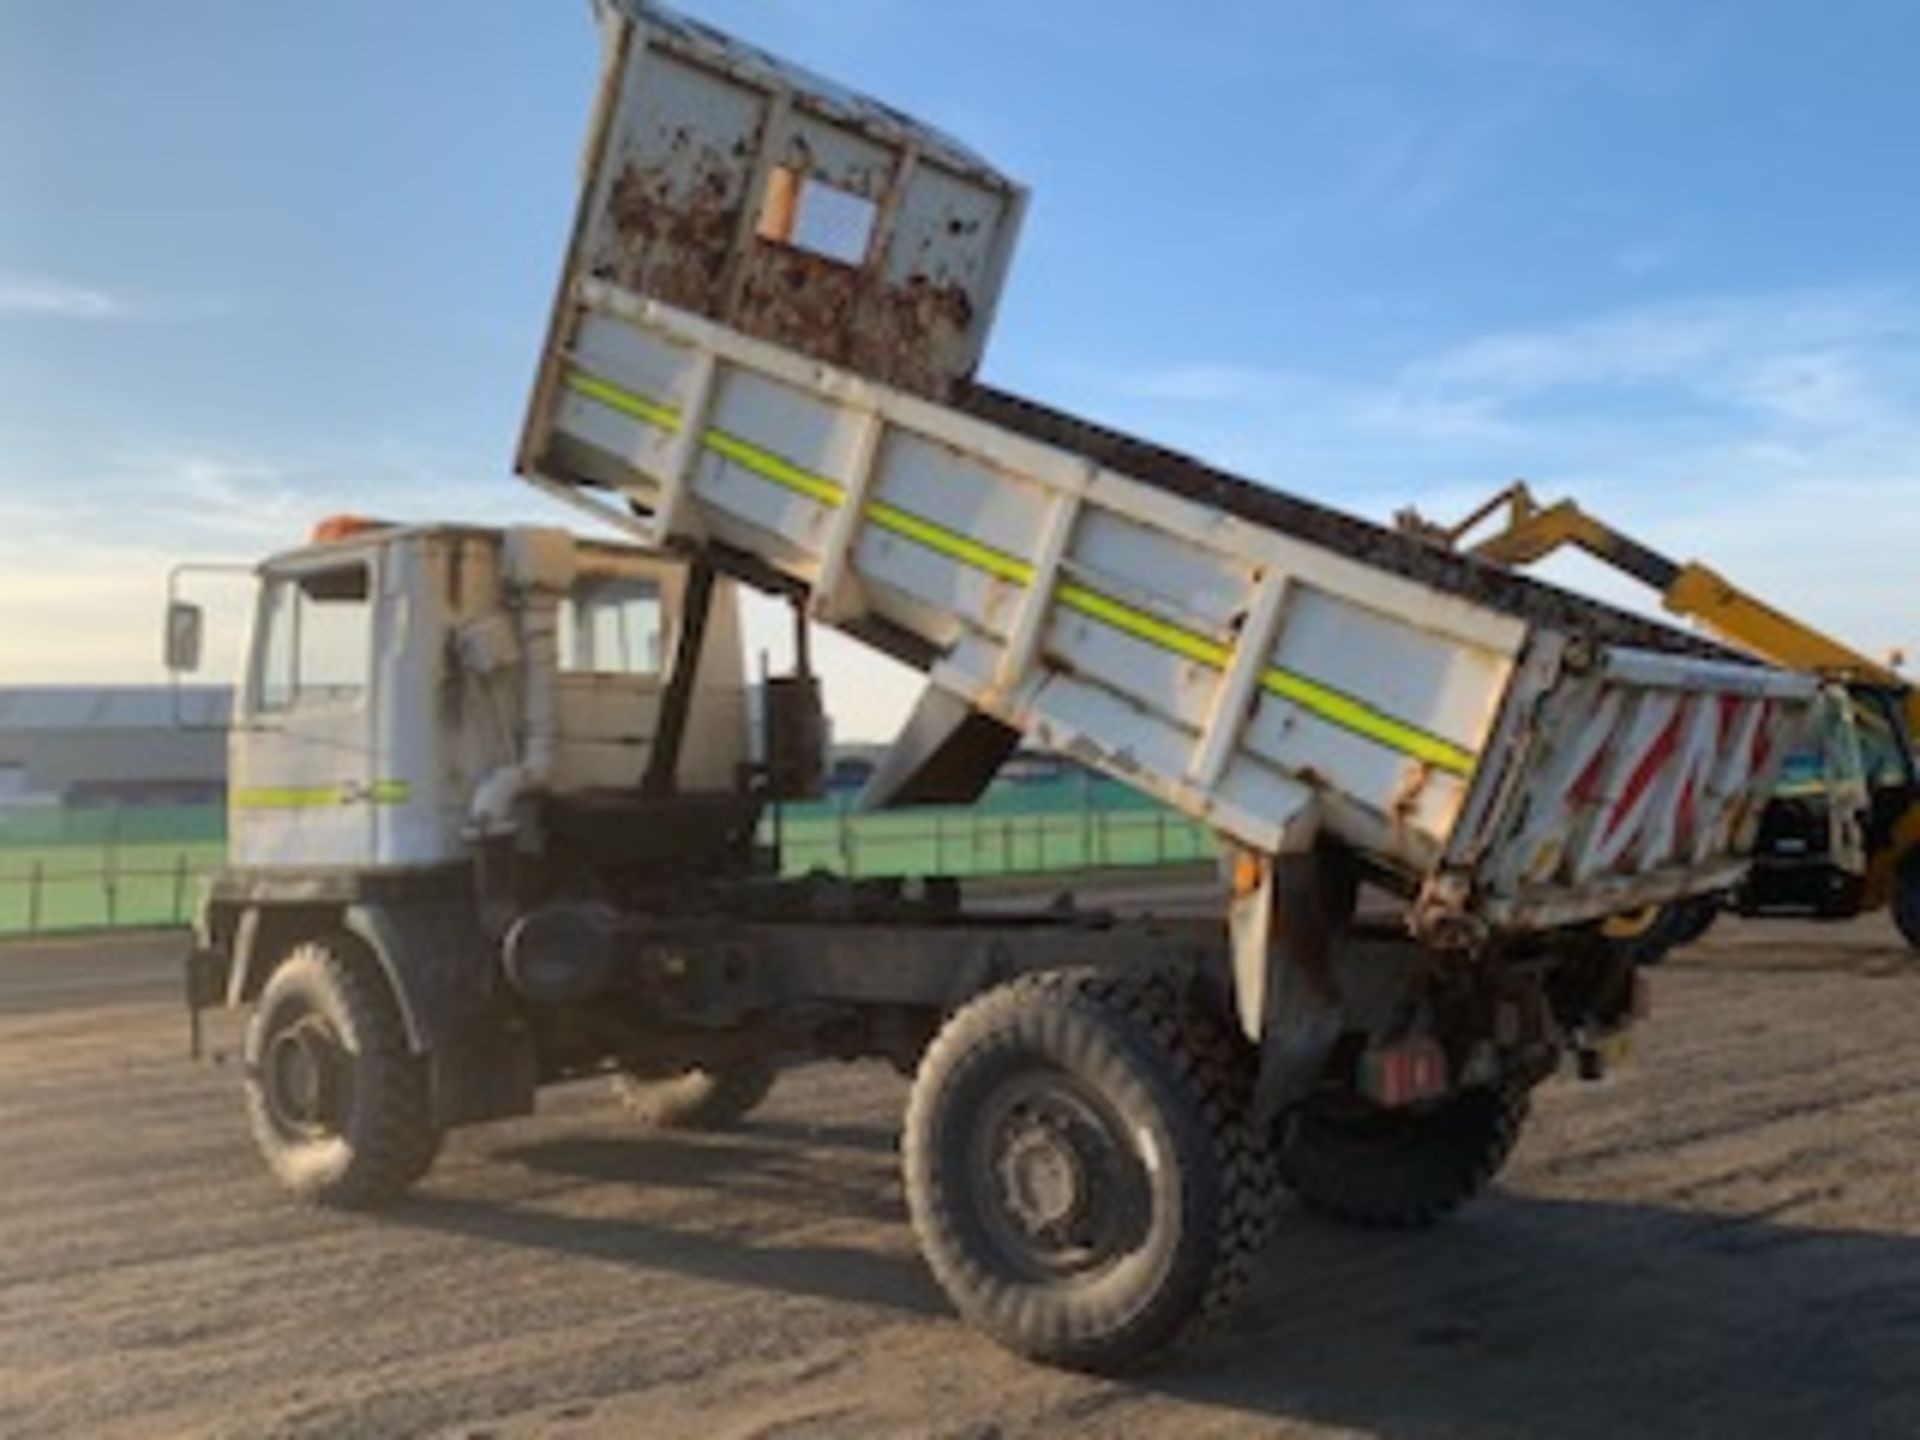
186	625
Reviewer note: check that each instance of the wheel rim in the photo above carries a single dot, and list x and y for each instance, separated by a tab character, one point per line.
305	1077
1055	1181
1630	925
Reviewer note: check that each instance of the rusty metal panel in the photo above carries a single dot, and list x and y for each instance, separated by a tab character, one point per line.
754	193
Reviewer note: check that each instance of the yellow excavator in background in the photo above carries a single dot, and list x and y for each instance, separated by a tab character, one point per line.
1842	833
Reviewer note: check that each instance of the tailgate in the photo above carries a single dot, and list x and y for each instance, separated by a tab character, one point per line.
1638	781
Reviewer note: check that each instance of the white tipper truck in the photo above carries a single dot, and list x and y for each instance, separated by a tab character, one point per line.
496	800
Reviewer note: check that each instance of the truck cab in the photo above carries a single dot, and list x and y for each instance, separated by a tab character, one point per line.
441	731
393	674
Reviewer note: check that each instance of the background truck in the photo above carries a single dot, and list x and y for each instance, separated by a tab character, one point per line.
1841	833
497	799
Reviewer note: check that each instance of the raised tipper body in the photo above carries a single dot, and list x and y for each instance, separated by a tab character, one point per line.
1523	757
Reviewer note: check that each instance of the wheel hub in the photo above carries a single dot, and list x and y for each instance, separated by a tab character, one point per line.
1043	1178
303	1078
1057	1188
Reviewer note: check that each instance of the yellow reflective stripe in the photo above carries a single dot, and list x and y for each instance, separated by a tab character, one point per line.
1142	626
661	417
938	538
321	797
1319	700
770	466
283	798
1362	719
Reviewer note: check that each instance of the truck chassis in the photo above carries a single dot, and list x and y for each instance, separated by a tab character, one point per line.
1087	1157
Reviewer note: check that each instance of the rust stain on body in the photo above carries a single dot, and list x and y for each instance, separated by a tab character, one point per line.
673	231
668	246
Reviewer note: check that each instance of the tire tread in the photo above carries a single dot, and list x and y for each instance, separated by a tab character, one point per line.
398	1140
1200	1062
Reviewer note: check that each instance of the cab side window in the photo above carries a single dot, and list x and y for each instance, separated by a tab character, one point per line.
1881	750
611	626
317	638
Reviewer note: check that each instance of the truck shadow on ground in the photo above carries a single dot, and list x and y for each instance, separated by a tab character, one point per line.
1522	1316
745	1205
1574	1317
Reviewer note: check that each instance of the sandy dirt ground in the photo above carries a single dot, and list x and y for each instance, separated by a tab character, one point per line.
1723	1240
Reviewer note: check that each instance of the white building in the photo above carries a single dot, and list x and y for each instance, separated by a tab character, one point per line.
112	745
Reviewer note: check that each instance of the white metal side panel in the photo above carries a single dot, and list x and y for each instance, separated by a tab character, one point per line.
1226	667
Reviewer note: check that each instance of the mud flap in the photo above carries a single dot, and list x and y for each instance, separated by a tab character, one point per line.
1287	913
442	971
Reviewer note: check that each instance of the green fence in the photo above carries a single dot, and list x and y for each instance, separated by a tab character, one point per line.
72	869
979	840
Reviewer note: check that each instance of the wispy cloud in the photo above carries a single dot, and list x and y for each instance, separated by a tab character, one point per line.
87	534
56	299
1775	435
1406	168
1745	347
1769	369
1641	258
45	298
1591	43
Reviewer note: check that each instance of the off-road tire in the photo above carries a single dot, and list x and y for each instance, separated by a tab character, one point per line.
1174	1090
1649	939
701	1099
1400	1171
383	1139
1906	899
1692	919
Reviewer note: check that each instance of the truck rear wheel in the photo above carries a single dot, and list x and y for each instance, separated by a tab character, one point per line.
1642	936
704	1098
338	1103
1692	919
1398	1169
1080	1168
1906	899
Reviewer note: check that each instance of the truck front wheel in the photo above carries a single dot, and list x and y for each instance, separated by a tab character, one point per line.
338	1103
1398	1169
704	1098
1080	1169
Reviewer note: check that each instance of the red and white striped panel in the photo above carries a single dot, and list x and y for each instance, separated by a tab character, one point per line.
1639	779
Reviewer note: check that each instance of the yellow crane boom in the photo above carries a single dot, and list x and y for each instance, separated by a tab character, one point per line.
1531	531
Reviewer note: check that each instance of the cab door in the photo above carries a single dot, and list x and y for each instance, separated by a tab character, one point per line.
1848	805
305	774
1886	754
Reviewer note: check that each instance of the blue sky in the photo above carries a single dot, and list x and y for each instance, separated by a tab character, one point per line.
259	263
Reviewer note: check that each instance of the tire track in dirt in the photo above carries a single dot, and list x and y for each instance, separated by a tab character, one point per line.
1723	1240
